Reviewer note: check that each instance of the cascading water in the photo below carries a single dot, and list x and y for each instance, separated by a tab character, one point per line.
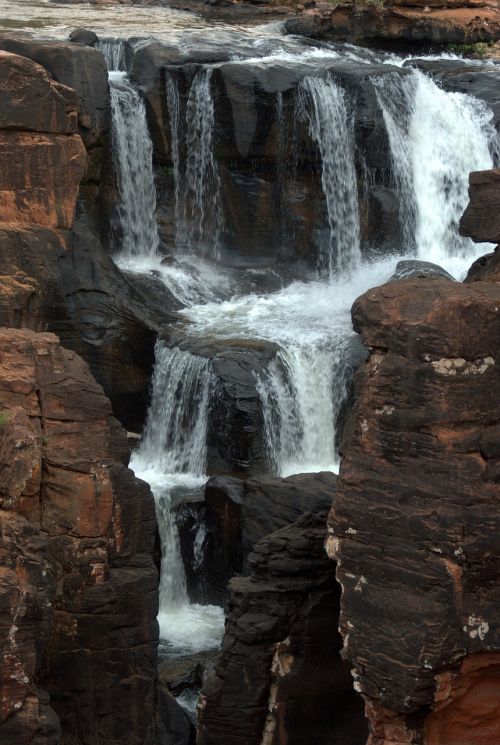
133	158
202	215
172	458
303	389
436	139
114	54
324	104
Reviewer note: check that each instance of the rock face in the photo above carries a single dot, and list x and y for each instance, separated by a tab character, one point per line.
439	21
43	159
279	677
78	583
414	526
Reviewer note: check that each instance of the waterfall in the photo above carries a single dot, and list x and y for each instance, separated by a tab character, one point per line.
172	458
174	437
198	211
114	53
174	115
324	105
436	139
133	152
300	401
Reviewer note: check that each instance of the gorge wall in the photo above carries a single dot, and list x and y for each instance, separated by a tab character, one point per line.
78	580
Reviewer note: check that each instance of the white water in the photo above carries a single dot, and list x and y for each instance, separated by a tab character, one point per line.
202	217
436	139
172	459
133	152
324	104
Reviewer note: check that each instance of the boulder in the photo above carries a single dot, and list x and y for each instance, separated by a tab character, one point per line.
279	677
79	618
413	528
412	268
481	219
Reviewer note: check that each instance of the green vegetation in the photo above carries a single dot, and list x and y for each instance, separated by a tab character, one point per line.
4	417
480	50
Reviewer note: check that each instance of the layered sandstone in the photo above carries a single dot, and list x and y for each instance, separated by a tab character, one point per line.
78	583
414	526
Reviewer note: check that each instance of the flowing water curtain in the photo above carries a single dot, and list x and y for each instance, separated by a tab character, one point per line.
175	115
133	151
175	435
173	452
113	51
323	104
436	138
302	392
203	203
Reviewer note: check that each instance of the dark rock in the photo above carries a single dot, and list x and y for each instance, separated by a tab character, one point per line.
173	726
78	67
412	268
486	268
412	526
234	517
279	676
82	296
83	36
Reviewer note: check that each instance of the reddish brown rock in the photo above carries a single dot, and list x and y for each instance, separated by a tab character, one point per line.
439	22
86	553
414	527
40	177
31	100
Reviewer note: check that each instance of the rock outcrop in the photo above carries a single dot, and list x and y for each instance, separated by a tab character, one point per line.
235	515
78	583
414	526
279	677
438	21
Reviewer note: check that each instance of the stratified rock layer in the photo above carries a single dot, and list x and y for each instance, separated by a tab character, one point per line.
414	527
78	583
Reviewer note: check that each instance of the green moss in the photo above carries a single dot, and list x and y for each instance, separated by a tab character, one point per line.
4	417
480	50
